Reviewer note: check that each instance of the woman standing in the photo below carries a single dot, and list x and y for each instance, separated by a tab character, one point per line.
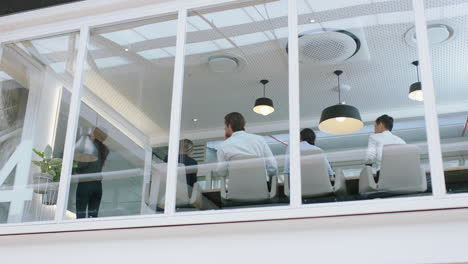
89	191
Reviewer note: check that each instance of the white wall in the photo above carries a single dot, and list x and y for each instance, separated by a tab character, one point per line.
417	237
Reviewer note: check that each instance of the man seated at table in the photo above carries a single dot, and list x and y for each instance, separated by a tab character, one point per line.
307	143
383	136
240	143
185	157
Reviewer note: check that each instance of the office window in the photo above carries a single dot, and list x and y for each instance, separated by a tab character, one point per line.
35	83
446	23
125	112
355	68
236	71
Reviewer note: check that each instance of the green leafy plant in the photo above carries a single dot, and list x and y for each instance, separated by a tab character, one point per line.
49	164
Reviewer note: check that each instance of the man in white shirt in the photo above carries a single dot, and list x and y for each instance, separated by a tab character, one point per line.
240	143
383	136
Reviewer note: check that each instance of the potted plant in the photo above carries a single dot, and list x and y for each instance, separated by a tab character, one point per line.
46	182
50	170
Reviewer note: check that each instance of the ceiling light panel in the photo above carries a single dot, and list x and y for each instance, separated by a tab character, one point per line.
50	45
347	23
195	23
273	10
223	44
396	18
320	6
124	37
158	30
200	47
254	13
228	18
249	39
458	10
154	54
111	62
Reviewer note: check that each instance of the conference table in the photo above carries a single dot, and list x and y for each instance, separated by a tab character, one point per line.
456	179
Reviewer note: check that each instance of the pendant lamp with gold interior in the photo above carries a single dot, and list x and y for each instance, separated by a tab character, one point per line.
263	105
341	118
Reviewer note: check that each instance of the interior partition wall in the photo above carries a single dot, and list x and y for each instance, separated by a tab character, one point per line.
156	75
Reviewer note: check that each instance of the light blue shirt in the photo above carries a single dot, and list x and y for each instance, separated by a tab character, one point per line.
304	145
242	143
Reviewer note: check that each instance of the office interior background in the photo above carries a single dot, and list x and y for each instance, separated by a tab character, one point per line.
152	73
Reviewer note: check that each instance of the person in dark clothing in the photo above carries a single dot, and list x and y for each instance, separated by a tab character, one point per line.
89	190
191	170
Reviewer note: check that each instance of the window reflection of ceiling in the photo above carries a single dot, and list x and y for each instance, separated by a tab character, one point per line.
260	33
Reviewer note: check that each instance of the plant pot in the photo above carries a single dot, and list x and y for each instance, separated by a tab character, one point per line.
41	182
51	193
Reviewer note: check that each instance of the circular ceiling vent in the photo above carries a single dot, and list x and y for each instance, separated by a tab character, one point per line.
223	63
437	34
327	46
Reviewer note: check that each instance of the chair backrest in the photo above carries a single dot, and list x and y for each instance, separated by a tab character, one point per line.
158	186
247	179
315	180
401	170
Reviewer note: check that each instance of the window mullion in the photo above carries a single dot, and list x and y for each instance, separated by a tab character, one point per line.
72	124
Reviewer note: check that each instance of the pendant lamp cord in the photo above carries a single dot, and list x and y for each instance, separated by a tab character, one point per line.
416	63
417	71
339	90
264	82
338	73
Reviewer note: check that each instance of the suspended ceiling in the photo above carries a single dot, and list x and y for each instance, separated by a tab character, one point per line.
131	65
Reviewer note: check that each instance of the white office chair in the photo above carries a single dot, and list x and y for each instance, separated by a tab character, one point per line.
315	181
157	190
246	181
400	172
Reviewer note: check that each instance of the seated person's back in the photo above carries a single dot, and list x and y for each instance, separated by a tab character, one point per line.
383	136
239	143
307	143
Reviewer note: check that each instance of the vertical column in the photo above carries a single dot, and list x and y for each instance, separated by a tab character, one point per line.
72	125
176	111
146	178
432	124
294	114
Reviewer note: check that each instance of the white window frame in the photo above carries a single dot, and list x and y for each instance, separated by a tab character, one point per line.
439	200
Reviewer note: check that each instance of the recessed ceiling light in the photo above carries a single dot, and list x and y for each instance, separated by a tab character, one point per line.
195	120
312	21
126	49
223	64
437	34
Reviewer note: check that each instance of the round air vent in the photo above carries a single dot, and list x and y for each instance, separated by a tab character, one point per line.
223	63
437	34
327	46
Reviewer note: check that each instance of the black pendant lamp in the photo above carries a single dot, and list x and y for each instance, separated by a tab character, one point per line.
263	105
415	90
341	118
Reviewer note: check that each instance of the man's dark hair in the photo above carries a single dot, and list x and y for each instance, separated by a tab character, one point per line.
386	120
235	120
308	135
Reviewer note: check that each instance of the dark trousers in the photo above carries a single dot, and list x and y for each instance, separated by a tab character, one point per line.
88	195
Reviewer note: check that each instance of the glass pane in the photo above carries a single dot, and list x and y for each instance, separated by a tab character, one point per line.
125	111
230	49
35	79
447	21
362	137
